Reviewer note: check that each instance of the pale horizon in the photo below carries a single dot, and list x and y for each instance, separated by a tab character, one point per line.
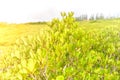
21	11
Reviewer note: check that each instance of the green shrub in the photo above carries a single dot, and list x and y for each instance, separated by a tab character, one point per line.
64	52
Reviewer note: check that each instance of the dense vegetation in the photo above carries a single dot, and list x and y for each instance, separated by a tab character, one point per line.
65	51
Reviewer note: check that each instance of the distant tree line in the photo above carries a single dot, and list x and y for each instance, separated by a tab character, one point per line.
36	23
94	17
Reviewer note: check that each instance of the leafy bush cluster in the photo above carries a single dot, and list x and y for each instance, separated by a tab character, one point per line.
64	52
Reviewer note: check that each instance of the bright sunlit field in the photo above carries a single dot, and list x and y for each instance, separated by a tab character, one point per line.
62	50
80	43
9	33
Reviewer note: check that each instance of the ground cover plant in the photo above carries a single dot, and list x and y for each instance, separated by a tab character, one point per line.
67	50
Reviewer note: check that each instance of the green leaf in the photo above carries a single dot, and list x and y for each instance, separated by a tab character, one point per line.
60	77
24	63
31	65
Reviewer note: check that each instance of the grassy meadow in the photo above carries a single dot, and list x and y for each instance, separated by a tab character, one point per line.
9	33
63	50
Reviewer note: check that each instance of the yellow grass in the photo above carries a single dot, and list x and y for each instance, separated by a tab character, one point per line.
9	33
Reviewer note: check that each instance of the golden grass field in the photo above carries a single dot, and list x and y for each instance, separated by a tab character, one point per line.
9	33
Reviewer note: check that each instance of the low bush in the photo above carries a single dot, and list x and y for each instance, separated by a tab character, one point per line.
64	52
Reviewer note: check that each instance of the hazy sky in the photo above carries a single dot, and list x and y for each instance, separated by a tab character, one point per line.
43	10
